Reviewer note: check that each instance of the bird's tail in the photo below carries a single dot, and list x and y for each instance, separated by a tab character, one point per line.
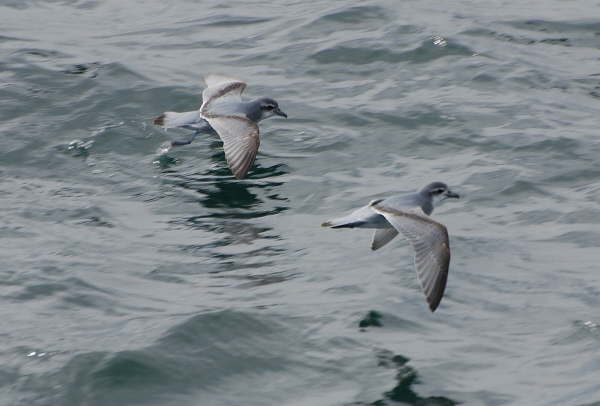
172	119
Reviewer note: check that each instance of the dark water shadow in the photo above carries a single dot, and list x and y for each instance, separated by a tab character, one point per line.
236	199
228	205
406	377
216	188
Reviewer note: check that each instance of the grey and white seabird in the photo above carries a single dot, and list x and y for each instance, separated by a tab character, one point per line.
235	121
408	214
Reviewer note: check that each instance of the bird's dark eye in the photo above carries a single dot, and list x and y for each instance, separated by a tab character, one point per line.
269	107
438	191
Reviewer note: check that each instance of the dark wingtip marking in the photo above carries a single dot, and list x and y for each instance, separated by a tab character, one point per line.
437	296
434	304
160	120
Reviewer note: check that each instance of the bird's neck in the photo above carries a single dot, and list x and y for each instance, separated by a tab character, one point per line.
428	204
253	111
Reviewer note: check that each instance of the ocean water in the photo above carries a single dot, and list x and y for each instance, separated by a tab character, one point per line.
129	277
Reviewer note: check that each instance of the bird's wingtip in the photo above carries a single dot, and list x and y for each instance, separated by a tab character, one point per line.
433	303
326	224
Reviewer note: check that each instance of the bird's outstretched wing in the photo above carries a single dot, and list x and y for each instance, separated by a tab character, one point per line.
240	141
239	134
431	246
219	90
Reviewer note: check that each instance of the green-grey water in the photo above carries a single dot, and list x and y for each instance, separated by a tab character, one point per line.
133	278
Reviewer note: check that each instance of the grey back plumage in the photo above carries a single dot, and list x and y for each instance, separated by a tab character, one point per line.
253	111
366	217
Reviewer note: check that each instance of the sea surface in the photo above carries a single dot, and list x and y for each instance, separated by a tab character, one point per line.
131	276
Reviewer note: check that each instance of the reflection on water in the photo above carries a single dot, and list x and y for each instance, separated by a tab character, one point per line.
372	319
406	377
235	197
218	189
403	392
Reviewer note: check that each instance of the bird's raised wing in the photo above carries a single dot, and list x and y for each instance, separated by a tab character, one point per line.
220	89
430	243
240	141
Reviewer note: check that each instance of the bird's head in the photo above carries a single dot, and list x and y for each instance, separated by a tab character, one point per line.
438	191
269	107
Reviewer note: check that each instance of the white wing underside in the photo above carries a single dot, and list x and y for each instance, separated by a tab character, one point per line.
382	236
429	240
239	134
240	141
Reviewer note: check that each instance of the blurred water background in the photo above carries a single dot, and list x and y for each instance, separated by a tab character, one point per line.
132	278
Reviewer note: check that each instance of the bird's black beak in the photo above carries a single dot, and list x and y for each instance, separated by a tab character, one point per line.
278	111
452	195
